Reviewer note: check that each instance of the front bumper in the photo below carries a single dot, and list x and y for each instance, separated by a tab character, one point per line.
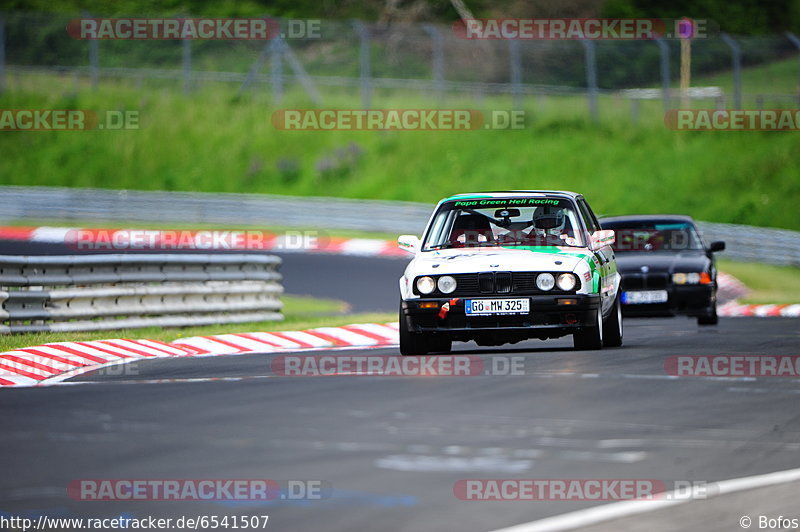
683	300
547	317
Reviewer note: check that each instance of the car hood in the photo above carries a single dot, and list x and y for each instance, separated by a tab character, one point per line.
660	262
517	258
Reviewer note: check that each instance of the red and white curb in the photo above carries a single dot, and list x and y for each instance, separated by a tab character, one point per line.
737	310
729	288
47	364
30	366
122	240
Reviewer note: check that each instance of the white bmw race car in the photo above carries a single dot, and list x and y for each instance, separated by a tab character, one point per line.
502	267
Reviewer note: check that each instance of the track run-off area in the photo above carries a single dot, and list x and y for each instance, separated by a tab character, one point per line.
393	450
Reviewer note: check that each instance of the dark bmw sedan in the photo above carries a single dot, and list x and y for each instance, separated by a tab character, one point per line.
666	267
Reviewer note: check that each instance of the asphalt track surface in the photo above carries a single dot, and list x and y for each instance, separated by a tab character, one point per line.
393	447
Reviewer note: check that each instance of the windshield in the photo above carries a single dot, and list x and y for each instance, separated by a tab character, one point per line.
655	236
539	221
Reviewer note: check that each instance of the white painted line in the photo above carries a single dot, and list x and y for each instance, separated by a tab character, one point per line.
617	510
52	235
362	246
55	379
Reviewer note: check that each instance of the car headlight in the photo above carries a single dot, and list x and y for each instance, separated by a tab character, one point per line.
446	284
566	282
426	285
691	278
545	281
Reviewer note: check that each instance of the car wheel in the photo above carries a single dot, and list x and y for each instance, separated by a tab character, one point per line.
590	337
709	319
412	344
612	329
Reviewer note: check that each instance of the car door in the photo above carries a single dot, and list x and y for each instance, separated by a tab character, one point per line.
606	260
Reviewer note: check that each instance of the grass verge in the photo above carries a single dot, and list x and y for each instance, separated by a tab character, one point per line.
767	283
214	141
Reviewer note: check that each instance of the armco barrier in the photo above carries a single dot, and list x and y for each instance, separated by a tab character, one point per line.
103	292
744	243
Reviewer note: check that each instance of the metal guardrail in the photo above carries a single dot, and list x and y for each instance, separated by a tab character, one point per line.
99	205
755	244
745	243
103	292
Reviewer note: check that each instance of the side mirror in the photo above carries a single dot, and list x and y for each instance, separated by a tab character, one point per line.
408	243
719	245
602	238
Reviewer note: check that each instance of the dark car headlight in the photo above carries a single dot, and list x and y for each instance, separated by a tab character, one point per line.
681	278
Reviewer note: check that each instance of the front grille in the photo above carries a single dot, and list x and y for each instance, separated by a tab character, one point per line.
524	282
486	282
645	281
502	282
491	283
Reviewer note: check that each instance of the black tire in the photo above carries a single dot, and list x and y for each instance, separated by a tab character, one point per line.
612	328
590	338
414	344
709	319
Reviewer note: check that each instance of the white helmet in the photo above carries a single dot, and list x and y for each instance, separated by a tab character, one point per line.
549	219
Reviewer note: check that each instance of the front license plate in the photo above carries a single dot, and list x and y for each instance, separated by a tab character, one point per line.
484	307
643	297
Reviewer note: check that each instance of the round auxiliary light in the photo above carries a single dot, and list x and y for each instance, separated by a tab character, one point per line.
545	281
426	285
446	284
566	282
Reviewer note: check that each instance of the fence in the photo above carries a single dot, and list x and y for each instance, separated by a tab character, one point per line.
103	292
746	243
429	59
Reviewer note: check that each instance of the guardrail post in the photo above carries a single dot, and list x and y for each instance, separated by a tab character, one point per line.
437	61
365	63
736	52
796	42
591	77
663	48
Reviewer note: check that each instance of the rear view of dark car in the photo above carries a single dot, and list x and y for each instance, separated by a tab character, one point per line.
666	267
